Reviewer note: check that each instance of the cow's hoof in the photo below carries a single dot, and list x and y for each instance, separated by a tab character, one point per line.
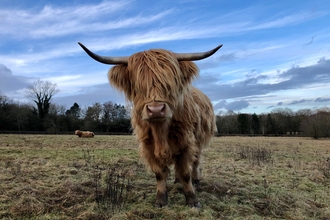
157	205
160	204
196	205
161	200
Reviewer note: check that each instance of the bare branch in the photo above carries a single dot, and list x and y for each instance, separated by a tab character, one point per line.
41	93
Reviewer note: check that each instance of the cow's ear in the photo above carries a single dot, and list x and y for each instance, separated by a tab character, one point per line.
119	78
189	71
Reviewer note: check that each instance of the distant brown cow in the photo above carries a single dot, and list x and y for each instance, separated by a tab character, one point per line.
84	134
172	120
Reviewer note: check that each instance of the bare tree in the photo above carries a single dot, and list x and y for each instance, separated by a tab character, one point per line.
93	116
317	125
4	100
41	92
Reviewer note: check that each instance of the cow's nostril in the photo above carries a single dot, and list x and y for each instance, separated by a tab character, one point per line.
163	109
149	110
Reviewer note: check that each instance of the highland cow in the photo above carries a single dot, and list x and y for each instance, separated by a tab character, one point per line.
84	134
172	120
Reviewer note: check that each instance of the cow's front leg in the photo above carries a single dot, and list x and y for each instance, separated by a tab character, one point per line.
161	196
161	172
189	192
183	168
196	173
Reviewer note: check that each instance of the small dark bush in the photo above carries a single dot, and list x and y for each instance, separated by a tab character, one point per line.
255	155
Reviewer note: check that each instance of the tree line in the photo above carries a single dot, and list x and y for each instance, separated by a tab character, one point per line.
44	116
280	121
100	118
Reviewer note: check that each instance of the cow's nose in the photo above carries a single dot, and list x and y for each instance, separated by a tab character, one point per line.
156	110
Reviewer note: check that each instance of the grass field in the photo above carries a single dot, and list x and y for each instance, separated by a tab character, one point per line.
65	177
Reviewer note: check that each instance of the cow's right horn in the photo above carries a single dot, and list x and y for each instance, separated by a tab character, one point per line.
104	59
196	56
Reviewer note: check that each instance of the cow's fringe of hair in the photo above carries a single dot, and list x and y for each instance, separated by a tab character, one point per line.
150	78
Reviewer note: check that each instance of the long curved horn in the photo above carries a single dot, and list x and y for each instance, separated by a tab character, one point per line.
104	59
124	59
196	56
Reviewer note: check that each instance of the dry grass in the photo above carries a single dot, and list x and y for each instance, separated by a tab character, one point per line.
65	177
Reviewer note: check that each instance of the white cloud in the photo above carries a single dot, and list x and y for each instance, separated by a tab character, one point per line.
287	20
77	26
70	84
50	19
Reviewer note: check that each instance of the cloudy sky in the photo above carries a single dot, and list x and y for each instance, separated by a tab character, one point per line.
276	54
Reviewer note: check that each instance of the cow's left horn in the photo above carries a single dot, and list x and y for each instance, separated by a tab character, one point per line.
196	56
104	59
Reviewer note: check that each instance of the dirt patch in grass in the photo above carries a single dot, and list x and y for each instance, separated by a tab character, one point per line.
65	177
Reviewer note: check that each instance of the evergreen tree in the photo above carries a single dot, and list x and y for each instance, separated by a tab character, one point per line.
255	124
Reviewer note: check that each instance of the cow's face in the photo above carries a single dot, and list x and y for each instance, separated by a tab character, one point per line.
78	132
155	82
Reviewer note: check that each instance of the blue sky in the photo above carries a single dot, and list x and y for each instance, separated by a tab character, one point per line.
275	54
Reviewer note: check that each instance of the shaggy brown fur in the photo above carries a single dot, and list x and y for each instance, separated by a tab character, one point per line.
189	123
84	134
